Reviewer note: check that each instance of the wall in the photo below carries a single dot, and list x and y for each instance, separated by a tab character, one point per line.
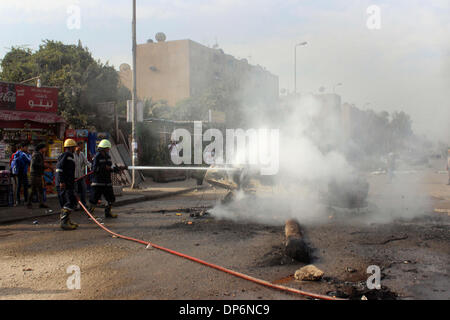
184	68
169	79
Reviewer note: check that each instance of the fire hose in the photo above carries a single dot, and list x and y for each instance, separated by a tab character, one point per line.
205	263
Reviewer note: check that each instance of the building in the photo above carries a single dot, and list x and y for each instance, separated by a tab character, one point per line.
175	70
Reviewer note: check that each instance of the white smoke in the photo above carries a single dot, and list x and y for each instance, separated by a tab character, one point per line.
310	159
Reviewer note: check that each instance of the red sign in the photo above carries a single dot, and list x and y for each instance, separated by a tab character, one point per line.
71	133
36	99
7	115
7	96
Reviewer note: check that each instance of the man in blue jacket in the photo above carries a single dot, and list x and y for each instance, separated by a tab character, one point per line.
20	166
65	182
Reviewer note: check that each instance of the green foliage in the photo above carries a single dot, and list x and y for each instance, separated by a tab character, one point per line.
375	133
401	125
17	64
157	109
82	80
123	94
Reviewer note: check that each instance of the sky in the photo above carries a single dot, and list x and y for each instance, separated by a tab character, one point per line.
403	65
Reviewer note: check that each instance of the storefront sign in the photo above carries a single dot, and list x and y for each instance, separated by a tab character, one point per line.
36	99
7	96
6	115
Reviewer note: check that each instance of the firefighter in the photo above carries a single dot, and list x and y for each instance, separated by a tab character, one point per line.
102	168
65	182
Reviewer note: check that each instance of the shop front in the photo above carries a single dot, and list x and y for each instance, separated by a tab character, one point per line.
29	114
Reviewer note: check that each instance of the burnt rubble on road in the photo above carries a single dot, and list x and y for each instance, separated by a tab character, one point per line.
295	246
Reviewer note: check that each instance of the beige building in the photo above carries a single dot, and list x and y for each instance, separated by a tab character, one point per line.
175	70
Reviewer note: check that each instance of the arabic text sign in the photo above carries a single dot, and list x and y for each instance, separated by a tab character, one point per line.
7	96
36	99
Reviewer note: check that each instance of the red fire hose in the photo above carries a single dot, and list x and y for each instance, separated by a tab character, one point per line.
211	265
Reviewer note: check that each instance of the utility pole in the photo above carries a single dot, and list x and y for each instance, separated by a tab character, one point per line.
133	98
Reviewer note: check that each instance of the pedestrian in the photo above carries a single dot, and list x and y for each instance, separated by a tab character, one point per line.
13	174
20	165
37	175
65	182
102	168
81	162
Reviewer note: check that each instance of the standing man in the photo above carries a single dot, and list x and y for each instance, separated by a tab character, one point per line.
102	168
65	182
81	163
13	170
37	175
20	165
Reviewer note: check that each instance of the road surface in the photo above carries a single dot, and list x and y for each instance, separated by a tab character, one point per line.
413	254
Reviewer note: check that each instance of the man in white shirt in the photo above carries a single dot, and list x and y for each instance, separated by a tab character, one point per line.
81	163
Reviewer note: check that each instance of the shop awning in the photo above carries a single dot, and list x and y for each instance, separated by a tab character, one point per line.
41	117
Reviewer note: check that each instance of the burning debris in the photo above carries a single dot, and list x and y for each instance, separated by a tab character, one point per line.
295	246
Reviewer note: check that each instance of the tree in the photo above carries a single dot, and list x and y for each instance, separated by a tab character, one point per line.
401	125
82	80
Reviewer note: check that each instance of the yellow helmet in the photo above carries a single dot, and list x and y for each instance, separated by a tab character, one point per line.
69	143
104	144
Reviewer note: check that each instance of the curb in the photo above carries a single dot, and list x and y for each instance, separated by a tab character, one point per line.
119	203
160	195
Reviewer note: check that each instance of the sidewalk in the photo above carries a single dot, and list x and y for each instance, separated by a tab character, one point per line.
149	190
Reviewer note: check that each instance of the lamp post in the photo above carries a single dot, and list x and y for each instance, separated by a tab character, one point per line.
133	98
301	44
336	85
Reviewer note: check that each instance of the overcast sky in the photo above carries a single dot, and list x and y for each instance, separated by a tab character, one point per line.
404	65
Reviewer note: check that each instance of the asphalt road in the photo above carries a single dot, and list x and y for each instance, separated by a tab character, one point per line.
413	253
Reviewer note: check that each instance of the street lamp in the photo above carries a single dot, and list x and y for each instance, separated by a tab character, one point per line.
336	85
133	98
301	44
38	81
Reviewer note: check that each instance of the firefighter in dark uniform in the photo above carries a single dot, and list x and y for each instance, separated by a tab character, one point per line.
65	182
102	167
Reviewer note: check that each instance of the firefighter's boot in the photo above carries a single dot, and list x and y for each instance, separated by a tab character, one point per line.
66	224
91	209
108	213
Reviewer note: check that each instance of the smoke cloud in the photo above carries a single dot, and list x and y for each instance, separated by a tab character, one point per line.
314	139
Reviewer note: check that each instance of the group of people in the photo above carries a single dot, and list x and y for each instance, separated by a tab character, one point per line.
22	160
70	178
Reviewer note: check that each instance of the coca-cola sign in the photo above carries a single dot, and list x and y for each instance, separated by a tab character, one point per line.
7	96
